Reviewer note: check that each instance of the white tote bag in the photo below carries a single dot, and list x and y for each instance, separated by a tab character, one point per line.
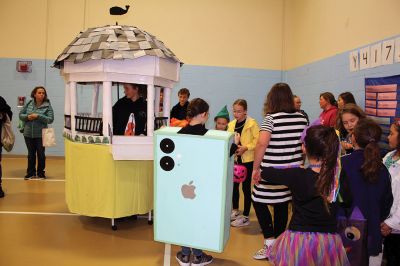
49	137
7	134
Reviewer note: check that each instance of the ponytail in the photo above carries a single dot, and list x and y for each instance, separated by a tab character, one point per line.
326	178
322	143
367	134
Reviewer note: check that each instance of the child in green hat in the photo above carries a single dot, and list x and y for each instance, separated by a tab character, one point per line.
222	119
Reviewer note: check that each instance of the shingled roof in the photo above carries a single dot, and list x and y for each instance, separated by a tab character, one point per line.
113	42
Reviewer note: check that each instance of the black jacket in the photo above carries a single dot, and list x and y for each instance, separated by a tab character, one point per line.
4	109
121	112
179	112
202	130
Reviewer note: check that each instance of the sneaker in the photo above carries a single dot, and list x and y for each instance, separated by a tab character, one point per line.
241	221
183	260
202	260
27	177
234	215
262	254
1	192
41	176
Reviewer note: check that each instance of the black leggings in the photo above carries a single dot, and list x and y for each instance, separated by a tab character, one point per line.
264	217
246	188
391	250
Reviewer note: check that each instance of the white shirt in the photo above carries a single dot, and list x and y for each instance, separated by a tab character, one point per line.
394	217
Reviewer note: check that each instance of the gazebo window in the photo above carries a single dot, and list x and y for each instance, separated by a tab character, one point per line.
88	120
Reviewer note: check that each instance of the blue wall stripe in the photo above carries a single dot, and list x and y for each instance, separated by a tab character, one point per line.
219	86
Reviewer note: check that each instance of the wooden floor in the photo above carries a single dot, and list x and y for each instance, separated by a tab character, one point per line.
36	228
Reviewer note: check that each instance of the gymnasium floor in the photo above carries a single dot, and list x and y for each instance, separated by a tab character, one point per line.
37	229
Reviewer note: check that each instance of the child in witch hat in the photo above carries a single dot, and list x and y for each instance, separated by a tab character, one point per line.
222	119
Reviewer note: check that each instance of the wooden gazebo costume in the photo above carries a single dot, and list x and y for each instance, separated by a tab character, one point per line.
120	166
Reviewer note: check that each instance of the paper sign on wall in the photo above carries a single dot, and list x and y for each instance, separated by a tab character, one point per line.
397	50
382	103
365	58
354	62
387	52
383	53
376	55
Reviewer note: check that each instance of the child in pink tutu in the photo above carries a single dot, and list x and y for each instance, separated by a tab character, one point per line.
312	237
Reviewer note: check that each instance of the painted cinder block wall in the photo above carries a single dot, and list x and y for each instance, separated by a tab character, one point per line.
231	49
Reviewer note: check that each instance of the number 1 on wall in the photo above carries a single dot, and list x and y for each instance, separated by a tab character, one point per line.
376	55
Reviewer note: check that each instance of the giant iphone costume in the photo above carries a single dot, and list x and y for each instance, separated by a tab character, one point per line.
193	182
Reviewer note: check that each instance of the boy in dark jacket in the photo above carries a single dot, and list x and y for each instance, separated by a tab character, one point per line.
132	103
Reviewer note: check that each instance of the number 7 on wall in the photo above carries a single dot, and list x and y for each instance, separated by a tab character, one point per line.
387	52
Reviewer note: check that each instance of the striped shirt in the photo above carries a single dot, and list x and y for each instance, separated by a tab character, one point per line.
283	151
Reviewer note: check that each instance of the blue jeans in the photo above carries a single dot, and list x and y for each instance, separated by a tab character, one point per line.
35	146
186	251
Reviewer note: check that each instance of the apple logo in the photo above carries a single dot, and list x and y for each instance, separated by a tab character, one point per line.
188	191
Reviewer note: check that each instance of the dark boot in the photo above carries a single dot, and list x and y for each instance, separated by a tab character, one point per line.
1	192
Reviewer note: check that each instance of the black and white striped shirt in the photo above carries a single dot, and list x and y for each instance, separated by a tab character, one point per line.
284	150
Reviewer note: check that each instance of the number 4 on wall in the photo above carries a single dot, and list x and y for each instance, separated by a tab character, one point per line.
364	58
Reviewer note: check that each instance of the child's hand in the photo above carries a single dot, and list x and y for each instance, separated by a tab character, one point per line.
346	145
241	149
256	176
385	229
237	138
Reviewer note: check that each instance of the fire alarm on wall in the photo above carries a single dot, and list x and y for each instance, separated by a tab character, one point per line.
24	66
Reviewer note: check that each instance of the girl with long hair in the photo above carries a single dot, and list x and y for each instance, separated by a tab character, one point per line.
312	237
279	146
390	228
347	120
369	181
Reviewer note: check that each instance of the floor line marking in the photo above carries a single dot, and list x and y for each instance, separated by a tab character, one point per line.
20	178
167	255
40	213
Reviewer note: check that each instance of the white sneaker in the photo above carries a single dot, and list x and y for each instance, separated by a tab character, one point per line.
241	221
234	215
263	253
